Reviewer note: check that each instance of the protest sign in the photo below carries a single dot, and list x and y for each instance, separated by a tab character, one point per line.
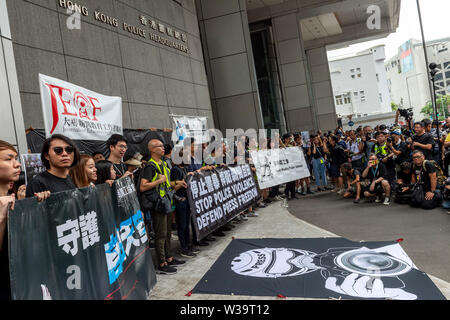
217	196
78	113
278	166
82	244
188	127
32	165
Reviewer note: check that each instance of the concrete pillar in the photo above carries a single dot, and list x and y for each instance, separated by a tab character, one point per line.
294	74
324	107
229	63
12	127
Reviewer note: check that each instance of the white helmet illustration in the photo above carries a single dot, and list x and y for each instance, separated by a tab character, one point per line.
274	262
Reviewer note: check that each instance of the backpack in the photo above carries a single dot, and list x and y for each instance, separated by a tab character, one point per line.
439	173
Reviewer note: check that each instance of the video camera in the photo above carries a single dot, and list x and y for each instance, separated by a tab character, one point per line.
406	113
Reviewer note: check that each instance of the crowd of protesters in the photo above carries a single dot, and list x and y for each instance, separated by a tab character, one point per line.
407	163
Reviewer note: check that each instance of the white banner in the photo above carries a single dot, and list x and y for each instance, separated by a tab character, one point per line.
278	166
32	165
78	113
189	127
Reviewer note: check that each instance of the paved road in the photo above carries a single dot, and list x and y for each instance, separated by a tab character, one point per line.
426	234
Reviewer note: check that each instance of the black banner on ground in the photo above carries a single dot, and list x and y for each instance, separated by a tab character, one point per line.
317	268
84	244
217	196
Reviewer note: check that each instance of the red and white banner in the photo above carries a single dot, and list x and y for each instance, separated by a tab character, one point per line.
78	113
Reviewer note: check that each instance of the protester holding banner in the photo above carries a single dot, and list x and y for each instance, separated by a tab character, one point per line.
105	172
156	186
9	172
84	174
58	155
118	145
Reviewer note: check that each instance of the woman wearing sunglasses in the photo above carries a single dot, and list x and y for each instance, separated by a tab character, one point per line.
58	155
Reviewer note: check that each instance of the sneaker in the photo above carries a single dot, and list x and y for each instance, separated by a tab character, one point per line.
378	199
267	201
319	189
219	234
226	228
341	191
310	192
210	238
244	217
303	193
187	253
253	214
278	198
236	220
176	262
386	201
202	243
356	201
166	270
194	250
262	205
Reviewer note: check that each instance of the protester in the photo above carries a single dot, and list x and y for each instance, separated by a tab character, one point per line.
376	172
425	176
353	182
105	172
134	163
318	151
356	151
337	158
58	155
84	173
117	146
156	181
97	156
384	154
289	191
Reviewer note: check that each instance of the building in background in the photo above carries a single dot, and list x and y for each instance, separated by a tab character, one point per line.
247	64
407	74
360	85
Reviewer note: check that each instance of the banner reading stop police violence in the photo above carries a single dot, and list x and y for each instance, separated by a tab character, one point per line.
217	196
82	244
78	113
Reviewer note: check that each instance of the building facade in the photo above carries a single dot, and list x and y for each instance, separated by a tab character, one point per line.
360	84
242	63
407	74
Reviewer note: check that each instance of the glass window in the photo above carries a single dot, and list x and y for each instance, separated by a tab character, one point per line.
359	75
353	76
447	74
355	94
339	100
381	97
363	96
347	98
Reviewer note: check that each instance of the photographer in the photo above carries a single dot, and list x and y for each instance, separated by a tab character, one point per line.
383	150
376	173
422	141
426	176
429	129
356	151
399	148
337	158
403	186
353	182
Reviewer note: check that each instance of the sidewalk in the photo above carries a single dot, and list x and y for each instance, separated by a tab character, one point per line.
274	221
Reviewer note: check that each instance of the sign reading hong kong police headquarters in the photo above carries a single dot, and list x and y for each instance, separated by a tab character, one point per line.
157	31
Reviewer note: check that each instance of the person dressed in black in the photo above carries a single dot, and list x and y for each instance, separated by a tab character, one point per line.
399	148
427	194
353	182
58	155
422	141
337	158
376	172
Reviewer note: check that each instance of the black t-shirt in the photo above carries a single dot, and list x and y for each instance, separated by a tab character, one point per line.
423	176
319	153
120	169
46	181
337	155
405	152
5	284
405	177
377	172
178	173
426	138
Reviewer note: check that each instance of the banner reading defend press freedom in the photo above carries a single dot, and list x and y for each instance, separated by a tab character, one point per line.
217	196
78	113
278	166
83	244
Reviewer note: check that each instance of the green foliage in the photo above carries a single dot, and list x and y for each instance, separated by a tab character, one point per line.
442	103
394	106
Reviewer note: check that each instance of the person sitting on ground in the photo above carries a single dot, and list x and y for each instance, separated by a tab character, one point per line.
426	175
353	182
403	186
376	173
84	174
58	155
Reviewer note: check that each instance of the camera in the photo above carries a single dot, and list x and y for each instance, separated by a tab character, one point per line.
406	113
389	139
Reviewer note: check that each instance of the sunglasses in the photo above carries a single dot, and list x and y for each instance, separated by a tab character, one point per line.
60	150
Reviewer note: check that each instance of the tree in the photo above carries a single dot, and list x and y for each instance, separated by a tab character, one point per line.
394	106
442	103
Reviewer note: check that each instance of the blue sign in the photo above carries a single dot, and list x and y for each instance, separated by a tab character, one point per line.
351	123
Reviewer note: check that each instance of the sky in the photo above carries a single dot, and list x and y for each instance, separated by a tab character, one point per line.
435	16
